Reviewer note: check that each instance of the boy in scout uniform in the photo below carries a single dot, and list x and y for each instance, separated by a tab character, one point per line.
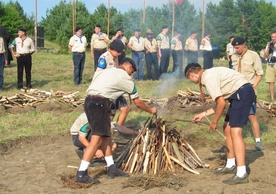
120	35
206	47
248	63
99	43
226	84
137	46
151	56
191	47
177	54
230	51
163	43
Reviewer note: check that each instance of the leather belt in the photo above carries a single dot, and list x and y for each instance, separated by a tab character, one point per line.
99	49
96	96
25	54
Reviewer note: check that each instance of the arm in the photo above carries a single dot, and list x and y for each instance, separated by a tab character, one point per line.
83	140
257	81
141	105
266	53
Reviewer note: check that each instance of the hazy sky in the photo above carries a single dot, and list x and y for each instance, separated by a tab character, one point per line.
121	5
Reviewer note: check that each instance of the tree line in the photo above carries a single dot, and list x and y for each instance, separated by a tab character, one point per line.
252	19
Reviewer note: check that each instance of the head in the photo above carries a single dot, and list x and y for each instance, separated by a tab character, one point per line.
97	28
208	34
165	29
116	47
177	34
239	44
192	72
231	38
21	32
149	33
128	65
137	32
273	36
120	32
193	34
78	31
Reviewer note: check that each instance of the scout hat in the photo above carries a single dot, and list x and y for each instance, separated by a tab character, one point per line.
129	60
149	31
238	41
189	67
117	45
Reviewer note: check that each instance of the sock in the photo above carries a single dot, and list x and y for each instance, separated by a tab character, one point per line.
258	139
109	160
230	162
84	165
241	171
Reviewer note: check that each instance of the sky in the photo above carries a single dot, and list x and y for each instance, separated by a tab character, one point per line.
91	5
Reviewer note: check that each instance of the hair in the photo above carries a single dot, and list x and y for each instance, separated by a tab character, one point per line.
273	32
196	69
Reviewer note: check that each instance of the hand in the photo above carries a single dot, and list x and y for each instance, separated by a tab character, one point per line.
213	126
99	154
197	118
154	110
101	37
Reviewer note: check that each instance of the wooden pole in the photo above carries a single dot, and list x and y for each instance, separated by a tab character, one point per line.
173	16
73	17
108	17
35	26
203	17
144	12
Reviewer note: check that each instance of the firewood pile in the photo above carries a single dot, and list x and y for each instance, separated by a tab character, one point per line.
158	149
35	97
158	102
192	98
268	106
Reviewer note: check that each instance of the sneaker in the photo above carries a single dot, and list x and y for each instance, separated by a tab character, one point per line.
225	170
79	152
113	171
82	177
237	180
259	146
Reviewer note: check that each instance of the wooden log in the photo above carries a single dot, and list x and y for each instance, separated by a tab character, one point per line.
168	158
183	165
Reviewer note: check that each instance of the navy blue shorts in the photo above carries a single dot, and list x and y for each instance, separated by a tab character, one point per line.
98	111
240	104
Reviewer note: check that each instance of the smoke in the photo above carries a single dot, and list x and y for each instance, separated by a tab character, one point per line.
169	83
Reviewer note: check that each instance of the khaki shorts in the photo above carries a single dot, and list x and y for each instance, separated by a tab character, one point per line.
270	73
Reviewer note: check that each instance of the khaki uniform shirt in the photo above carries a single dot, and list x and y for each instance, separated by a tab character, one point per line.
107	60
176	44
251	65
96	43
80	122
191	44
138	43
163	41
2	46
25	46
230	49
206	44
151	45
122	38
222	81
106	84
78	43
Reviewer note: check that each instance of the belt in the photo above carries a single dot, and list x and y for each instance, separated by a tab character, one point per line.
271	64
99	49
165	49
25	54
1	54
96	96
79	52
138	51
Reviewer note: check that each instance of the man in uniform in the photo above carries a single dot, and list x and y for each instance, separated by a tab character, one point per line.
137	46
206	47
163	43
103	90
230	51
77	45
151	56
99	43
249	64
270	54
191	47
24	50
226	84
120	35
6	36
3	61
177	54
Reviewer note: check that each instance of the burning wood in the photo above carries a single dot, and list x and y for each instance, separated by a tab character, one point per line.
158	149
35	97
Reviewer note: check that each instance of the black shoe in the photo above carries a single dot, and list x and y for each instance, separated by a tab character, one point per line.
113	172
225	170
237	180
259	146
82	177
79	152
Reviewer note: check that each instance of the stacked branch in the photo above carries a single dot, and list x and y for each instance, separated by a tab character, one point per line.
35	97
268	106
192	98
157	149
161	102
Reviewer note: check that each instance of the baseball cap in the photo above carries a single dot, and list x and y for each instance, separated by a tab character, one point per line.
189	67
164	26
117	45
129	60
98	26
77	29
238	41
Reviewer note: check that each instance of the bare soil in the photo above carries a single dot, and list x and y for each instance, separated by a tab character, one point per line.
49	164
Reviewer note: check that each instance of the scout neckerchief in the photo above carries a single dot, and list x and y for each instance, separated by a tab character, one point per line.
200	86
23	39
138	39
79	37
240	58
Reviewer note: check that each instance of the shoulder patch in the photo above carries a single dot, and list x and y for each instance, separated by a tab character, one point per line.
102	63
85	128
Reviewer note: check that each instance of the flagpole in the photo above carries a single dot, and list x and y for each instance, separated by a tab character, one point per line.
108	17
144	12
203	24
35	27
73	17
173	16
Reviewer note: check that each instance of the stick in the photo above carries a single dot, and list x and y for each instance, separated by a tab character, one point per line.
215	129
183	165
